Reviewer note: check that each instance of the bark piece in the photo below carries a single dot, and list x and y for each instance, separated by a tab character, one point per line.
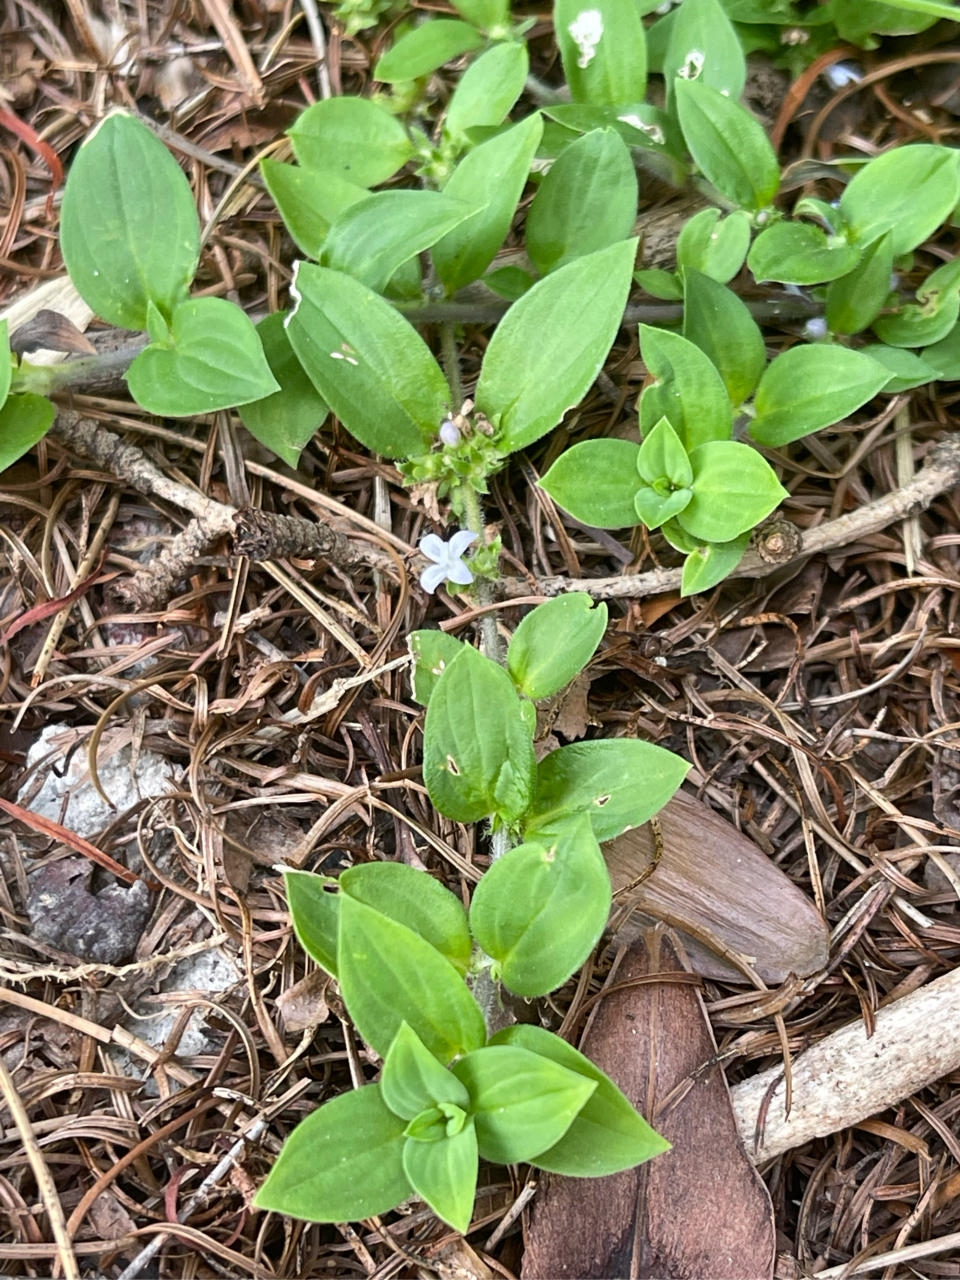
712	881
701	1209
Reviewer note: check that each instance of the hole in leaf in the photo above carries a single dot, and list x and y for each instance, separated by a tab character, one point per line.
601	801
452	766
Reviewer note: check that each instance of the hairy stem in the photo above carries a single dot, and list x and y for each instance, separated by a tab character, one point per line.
451	364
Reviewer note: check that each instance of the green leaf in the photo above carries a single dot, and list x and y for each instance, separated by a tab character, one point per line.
540	909
488	15
854	301
522	1103
734	488
128	227
432	652
810	387
6	363
638	123
689	391
660	283
587	201
799	253
345	1161
24	419
426	48
619	783
663	457
413	898
705	566
596	481
308	200
931	317
608	1135
367	362
315	913
654	507
550	346
375	237
413	1080
389	975
288	419
487	91
554	642
216	361
509	282
728	144
444	1174
477	750
944	355
717	321
908	191
353	138
704	46
604	50
906	369
490	179
714	246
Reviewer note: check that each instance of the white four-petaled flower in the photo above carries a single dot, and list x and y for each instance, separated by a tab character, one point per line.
447	563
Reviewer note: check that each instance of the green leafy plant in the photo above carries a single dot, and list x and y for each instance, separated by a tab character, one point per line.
404	950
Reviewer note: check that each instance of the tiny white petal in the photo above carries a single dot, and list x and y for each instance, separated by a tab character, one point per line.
433	576
458	572
460	541
433	548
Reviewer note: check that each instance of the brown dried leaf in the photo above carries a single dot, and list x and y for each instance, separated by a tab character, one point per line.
304	1005
700	1209
715	884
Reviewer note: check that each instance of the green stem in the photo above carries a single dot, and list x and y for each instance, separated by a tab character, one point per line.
451	363
45	380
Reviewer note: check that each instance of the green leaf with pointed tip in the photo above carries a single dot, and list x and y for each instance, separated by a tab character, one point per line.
426	48
509	282
309	200
604	50
908	191
315	913
705	566
596	481
490	179
608	1135
689	391
704	46
550	346
660	284
6	363
933	315
216	361
377	235
715	246
554	642
855	300
799	253
810	387
663	457
487	91
413	1080
717	321
413	898
352	137
729	145
619	783
343	1162
734	488
24	419
389	975
522	1103
944	355
367	362
587	201
477	748
432	651
907	370
129	232
287	420
540	909
653	508
444	1174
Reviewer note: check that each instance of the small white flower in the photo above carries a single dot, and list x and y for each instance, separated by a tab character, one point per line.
450	433
447	563
841	74
815	330
585	31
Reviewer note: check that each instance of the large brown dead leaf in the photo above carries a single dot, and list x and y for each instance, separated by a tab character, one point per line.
714	885
698	1211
